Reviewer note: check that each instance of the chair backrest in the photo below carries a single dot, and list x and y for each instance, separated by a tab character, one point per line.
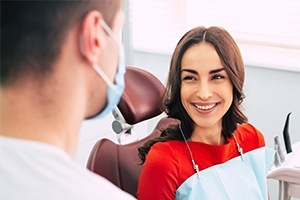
120	163
141	98
140	101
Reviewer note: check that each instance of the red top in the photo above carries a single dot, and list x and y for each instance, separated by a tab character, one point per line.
169	164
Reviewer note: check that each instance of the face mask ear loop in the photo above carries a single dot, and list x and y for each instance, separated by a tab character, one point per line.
103	75
109	31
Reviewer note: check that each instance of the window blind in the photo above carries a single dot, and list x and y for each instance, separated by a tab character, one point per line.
157	25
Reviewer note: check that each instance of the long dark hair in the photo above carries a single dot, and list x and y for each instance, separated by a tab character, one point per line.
231	58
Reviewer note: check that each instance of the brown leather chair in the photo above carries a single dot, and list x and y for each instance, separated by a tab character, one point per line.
140	101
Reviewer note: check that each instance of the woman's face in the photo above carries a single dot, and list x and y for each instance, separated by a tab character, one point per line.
206	90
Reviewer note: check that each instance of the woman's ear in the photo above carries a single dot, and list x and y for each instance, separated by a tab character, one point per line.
90	36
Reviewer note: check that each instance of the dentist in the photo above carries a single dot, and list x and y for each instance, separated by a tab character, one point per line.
61	62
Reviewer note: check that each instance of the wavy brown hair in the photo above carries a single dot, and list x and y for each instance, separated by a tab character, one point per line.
231	58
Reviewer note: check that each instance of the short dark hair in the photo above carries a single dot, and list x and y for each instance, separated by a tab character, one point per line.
32	33
231	58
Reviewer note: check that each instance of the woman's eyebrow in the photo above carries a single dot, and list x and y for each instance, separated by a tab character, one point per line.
216	70
195	72
190	71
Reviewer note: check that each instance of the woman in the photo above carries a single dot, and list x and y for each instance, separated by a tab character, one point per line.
212	153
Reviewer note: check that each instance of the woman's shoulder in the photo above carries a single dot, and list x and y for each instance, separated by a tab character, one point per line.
167	146
247	132
170	148
164	155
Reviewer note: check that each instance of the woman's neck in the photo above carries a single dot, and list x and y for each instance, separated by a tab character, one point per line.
211	136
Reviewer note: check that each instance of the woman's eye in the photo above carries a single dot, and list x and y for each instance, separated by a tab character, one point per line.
218	76
188	78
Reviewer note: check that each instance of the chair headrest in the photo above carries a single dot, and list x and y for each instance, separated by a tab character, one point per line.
142	96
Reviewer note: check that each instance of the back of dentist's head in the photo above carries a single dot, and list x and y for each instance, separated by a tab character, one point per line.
32	33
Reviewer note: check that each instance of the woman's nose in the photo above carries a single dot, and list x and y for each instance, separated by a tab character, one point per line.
204	91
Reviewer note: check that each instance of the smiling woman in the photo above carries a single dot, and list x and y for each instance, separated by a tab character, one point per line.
212	147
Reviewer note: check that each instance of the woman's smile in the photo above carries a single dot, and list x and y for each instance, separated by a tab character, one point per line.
205	107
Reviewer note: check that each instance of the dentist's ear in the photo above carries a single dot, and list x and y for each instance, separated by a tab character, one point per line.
90	36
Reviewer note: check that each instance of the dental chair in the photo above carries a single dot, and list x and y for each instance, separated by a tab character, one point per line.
119	163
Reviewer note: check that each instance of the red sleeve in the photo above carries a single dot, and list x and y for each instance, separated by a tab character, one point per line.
158	179
250	138
260	137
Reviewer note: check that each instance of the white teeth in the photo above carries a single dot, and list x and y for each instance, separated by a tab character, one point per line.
207	107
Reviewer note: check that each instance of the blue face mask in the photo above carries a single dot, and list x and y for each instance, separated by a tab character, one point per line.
114	90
